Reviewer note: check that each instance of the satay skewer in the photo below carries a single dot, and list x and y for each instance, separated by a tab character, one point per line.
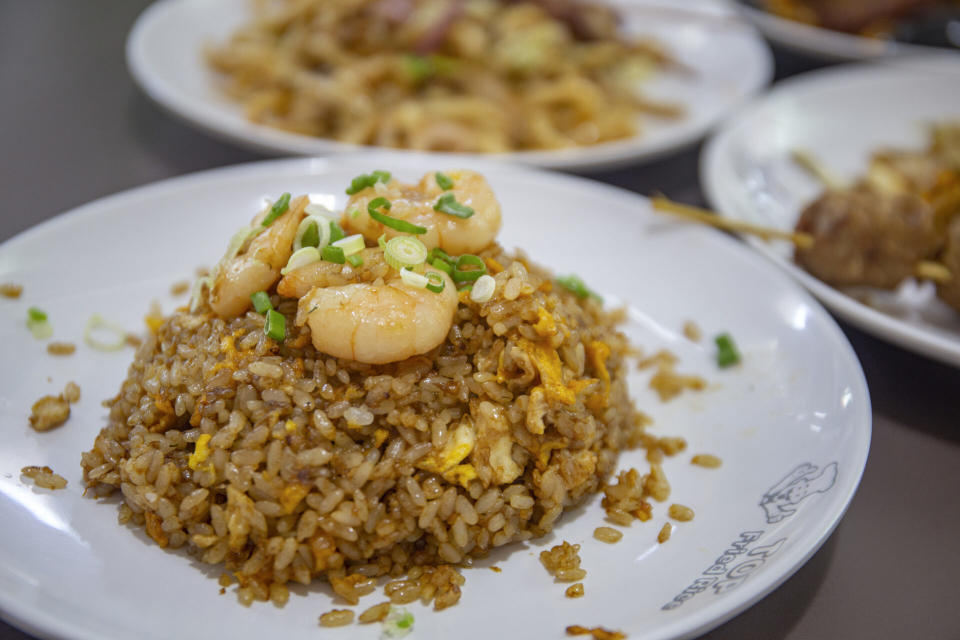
924	270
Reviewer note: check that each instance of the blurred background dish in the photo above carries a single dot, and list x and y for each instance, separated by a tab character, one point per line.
857	29
701	61
840	117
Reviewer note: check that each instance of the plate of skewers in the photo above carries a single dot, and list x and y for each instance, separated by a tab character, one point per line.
849	178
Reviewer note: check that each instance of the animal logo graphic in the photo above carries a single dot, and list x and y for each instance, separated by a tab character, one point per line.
781	500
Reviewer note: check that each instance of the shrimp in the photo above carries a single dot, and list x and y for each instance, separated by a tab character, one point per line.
378	322
257	267
415	204
300	281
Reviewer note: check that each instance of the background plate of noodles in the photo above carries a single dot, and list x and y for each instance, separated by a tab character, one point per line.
471	76
791	422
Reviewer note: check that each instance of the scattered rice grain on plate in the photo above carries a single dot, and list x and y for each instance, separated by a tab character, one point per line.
71	392
563	562
336	618
10	290
680	513
376	613
691	331
607	534
61	348
665	532
598	633
44	477
706	460
49	412
179	288
574	590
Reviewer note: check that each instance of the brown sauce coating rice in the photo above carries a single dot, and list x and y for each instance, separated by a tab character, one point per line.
335	468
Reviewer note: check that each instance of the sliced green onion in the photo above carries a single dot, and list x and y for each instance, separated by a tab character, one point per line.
435	282
437	252
351	244
443	181
237	240
442	265
382	241
483	289
398	623
261	301
404	251
389	221
468	268
97	323
278	209
418	67
301	258
311	235
576	286
363	181
336	232
38	324
447	203
727	353
413	279
333	254
355	260
276	325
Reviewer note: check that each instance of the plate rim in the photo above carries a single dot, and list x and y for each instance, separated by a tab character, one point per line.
828	44
604	156
882	326
32	617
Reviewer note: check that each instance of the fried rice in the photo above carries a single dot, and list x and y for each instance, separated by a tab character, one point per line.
284	464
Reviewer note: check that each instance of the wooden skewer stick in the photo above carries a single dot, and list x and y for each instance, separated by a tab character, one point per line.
805	160
695	214
936	271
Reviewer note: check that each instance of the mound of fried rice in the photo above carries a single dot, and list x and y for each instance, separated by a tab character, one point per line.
285	464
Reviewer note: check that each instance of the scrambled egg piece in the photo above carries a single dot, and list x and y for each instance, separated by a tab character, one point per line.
546	324
494	449
200	454
446	461
598	352
548	363
291	496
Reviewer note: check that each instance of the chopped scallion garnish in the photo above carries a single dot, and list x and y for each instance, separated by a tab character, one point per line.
483	289
97	323
727	353
404	251
351	244
355	260
442	265
311	235
275	326
447	203
336	232
435	282
413	279
468	268
437	252
576	286
363	181
333	254
443	181
389	221
301	258
398	623
278	209
261	301
38	324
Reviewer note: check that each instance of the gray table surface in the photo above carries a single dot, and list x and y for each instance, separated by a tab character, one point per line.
74	128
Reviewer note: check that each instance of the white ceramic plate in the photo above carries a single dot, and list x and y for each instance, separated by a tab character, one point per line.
827	44
792	424
841	115
731	60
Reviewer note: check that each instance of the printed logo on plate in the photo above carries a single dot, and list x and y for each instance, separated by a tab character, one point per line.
749	551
